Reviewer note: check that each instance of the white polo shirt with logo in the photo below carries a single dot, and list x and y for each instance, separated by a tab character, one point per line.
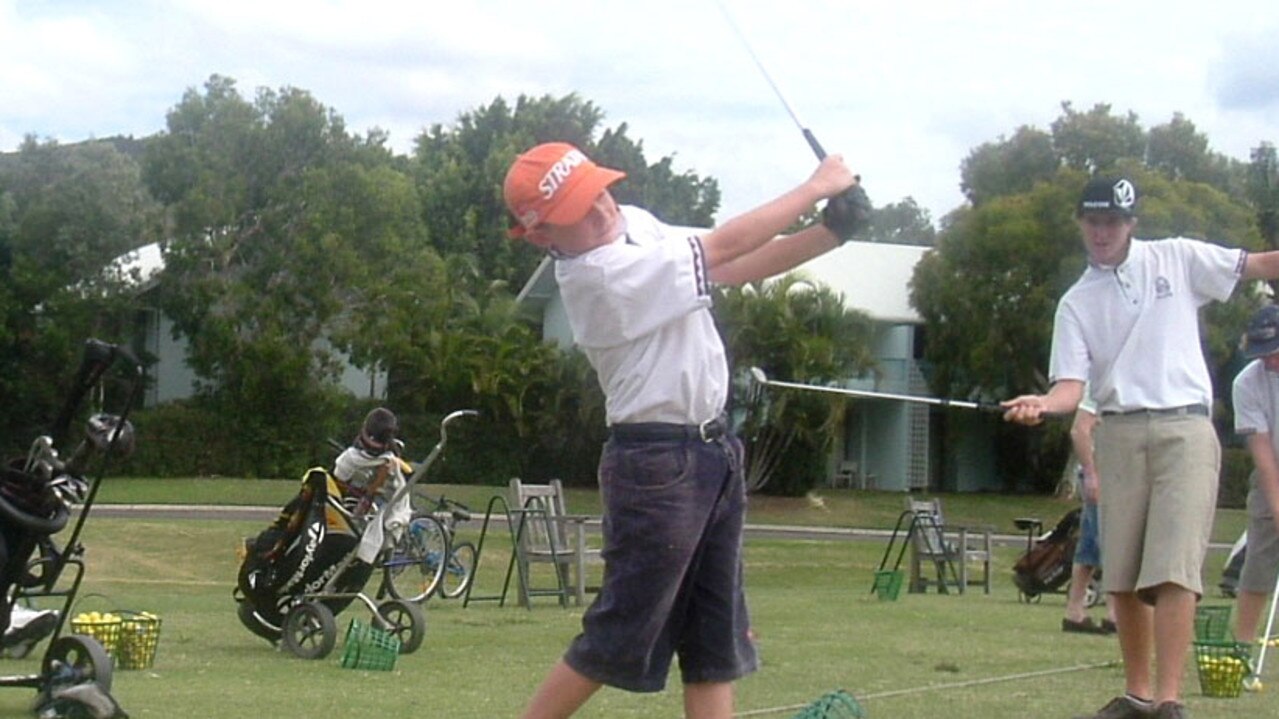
1132	331
639	308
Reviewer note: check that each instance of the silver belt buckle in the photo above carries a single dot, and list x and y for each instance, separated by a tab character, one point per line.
701	428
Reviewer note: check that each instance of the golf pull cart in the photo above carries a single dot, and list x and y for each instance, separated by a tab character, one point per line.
36	492
314	561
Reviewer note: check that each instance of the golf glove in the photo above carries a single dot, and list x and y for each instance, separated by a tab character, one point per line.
848	213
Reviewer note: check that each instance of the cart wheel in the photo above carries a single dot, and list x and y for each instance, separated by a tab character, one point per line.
1028	598
310	631
82	655
406	621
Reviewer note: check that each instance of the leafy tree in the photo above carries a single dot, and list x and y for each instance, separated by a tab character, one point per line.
1008	166
459	171
280	223
902	223
1263	191
65	213
1179	151
1096	141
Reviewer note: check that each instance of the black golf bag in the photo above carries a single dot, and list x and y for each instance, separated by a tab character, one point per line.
300	552
1045	567
31	512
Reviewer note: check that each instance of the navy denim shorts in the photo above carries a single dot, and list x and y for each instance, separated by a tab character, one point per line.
673	516
1088	548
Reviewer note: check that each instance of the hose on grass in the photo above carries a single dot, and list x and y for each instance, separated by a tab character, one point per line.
942	687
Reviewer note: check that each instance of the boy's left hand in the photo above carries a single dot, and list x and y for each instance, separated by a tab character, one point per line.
847	214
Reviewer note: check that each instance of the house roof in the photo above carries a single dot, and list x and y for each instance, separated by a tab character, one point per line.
873	277
147	261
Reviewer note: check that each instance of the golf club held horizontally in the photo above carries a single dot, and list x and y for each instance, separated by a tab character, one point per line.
760	377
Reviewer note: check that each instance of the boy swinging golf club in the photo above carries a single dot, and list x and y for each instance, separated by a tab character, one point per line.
637	296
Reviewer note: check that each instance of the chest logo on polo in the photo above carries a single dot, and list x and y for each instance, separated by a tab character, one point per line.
1163	288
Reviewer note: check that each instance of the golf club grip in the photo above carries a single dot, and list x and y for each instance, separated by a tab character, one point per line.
813	143
95	361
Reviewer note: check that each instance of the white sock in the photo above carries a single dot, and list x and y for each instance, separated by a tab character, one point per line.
1146	704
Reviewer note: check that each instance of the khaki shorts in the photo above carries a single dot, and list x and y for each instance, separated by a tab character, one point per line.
1261	561
1159	479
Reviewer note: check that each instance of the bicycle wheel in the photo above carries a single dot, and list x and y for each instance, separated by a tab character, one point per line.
413	569
459	571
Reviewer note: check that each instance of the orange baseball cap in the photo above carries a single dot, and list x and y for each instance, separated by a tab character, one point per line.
553	182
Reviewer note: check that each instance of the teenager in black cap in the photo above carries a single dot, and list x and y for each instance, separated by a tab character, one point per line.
1130	327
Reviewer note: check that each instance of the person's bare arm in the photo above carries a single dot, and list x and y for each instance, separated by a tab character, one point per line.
1081	439
749	231
1261	266
775	257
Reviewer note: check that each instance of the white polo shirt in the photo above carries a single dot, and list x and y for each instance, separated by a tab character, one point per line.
1256	399
640	310
1132	331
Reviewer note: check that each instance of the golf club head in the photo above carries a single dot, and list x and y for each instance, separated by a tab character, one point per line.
758	375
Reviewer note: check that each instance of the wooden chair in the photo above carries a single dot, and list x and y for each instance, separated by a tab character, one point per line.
544	532
952	551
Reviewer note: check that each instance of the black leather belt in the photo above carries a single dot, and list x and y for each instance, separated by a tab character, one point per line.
1190	409
708	431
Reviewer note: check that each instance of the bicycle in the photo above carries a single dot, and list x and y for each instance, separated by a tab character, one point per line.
428	560
459	568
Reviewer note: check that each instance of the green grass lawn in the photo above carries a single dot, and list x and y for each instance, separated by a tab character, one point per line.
922	656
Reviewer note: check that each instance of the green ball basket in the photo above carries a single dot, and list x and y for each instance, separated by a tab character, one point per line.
1212	623
1222	667
367	647
838	704
888	584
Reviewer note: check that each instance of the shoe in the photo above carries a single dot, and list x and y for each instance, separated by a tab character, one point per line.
1171	710
1109	626
1082	627
1121	708
19	640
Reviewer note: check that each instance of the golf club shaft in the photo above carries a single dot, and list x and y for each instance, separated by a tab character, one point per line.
1265	636
808	134
983	406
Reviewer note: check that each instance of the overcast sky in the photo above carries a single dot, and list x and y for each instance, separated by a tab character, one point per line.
905	89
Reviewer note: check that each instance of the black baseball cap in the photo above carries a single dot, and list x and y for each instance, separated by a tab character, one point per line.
1110	195
1262	337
